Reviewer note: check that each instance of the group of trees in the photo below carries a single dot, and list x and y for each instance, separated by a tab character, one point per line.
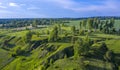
86	26
83	48
89	25
15	23
94	24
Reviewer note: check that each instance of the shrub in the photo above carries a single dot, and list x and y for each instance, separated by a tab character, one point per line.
17	51
81	32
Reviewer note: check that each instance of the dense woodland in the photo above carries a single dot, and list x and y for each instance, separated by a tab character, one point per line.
60	44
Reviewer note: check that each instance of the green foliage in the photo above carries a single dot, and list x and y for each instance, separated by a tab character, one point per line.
103	47
51	61
53	35
99	49
73	29
38	34
17	51
28	36
81	32
5	43
59	29
72	39
82	47
86	64
84	24
89	23
65	56
113	45
34	24
76	49
85	46
109	56
4	58
112	22
42	67
47	32
80	25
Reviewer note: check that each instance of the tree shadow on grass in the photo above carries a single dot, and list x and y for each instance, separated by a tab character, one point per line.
117	58
90	67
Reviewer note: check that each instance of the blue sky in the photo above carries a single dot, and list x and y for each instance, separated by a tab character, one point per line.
58	8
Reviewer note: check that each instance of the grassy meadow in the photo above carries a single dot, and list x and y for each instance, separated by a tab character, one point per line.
45	48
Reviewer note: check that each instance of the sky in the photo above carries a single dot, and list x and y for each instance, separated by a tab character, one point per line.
58	8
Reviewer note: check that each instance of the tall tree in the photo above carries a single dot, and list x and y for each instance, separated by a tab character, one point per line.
34	24
90	24
59	29
112	21
28	37
84	24
73	30
85	45
95	23
82	47
76	49
54	34
80	25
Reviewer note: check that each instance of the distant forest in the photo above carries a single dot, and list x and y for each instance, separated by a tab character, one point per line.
22	22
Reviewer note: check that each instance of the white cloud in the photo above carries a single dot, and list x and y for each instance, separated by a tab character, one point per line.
13	14
106	5
13	4
3	7
18	5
